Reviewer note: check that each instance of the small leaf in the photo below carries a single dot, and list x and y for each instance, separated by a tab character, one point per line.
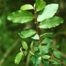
47	41
31	53
35	37
43	49
55	62
40	4
26	7
33	59
20	17
38	60
27	33
46	63
46	57
24	45
36	49
48	12
50	23
57	54
18	57
25	53
47	35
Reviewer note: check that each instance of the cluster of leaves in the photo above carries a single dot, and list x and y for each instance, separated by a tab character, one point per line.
37	44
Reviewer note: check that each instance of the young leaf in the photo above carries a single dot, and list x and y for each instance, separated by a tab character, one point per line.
26	7
20	17
48	12
38	61
35	37
51	22
57	54
18	57
46	57
39	5
27	33
24	45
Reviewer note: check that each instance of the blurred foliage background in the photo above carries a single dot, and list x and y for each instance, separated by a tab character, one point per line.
9	39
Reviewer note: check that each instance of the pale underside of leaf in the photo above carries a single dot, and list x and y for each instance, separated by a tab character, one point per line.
48	12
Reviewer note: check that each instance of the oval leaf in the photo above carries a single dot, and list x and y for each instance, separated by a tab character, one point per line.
18	57
27	33
26	7
48	12
55	62
57	54
20	17
24	45
46	57
50	23
39	5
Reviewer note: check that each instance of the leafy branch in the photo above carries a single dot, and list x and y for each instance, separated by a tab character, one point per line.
41	19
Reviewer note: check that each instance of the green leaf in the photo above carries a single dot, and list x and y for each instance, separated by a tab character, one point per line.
33	59
18	57
47	35
36	49
26	7
25	53
48	12
27	33
50	23
43	49
24	45
55	62
46	41
46	57
38	61
57	54
40	4
20	17
35	37
46	63
64	61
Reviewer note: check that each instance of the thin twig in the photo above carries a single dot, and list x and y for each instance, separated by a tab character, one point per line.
28	59
8	52
59	61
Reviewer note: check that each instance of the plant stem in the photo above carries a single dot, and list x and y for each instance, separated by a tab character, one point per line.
36	24
8	52
28	59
